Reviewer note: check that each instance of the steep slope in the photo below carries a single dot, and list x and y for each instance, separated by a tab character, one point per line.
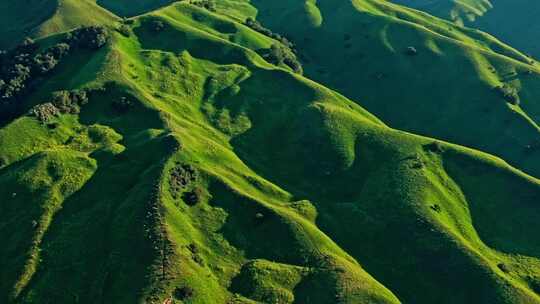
461	12
512	21
40	18
132	7
416	72
201	172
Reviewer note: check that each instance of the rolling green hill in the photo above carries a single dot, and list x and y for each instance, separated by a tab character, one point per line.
459	11
175	161
511	21
445	89
40	18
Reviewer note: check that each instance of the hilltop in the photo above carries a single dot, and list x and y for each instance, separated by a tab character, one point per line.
40	18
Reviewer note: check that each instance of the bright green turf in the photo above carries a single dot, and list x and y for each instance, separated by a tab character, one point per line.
306	196
132	7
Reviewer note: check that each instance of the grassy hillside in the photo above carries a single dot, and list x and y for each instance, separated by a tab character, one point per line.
132	7
511	21
198	171
459	11
416	72
40	18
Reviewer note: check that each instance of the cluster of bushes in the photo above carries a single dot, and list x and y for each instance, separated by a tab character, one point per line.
181	182
258	27
195	254
125	30
62	102
278	54
206	4
509	93
284	53
91	37
69	102
24	66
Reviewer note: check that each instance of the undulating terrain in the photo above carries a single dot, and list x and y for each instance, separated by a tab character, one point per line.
286	151
512	21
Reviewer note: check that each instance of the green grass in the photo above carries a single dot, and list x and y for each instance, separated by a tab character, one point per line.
127	8
40	18
305	196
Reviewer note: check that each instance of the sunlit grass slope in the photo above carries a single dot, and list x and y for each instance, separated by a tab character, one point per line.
303	196
445	89
39	18
132	7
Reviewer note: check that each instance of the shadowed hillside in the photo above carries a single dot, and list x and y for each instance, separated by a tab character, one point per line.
512	21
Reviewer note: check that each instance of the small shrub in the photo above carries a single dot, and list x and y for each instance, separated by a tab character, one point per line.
417	164
183	293
3	161
436	208
157	26
259	218
122	105
191	198
124	30
193	248
503	267
434	147
198	259
411	51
